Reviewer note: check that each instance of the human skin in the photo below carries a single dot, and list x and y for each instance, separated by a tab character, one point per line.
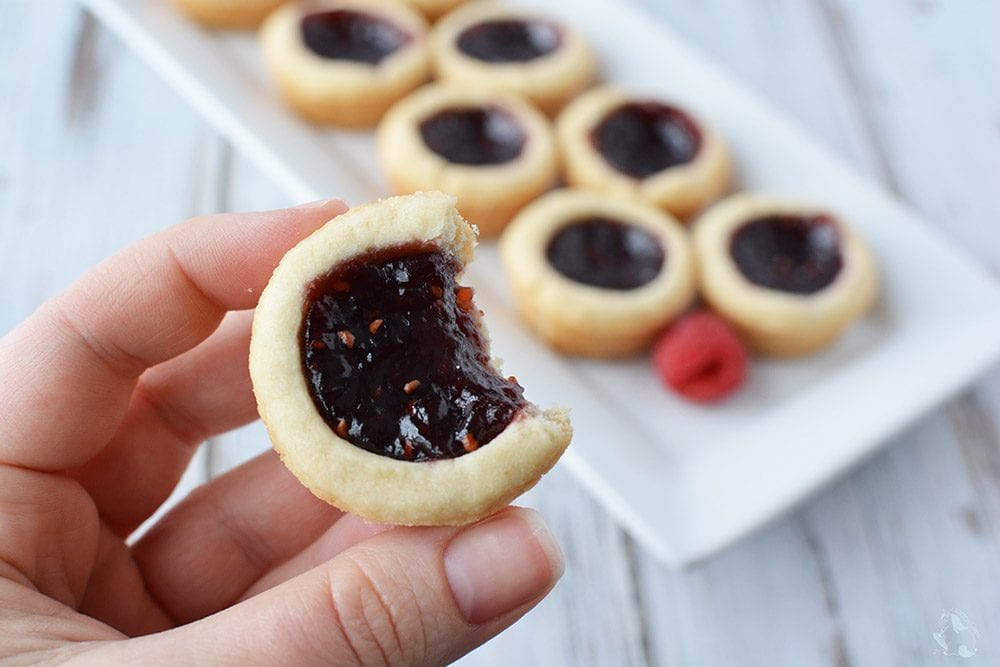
106	392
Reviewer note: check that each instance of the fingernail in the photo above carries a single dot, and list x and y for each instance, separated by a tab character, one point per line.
319	203
502	563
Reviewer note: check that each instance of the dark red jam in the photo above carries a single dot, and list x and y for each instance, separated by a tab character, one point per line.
642	138
475	136
606	253
395	362
791	253
343	34
509	40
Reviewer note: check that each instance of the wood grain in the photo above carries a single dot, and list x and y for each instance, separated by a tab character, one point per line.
96	152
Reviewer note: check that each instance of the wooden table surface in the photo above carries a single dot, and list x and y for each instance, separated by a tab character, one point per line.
96	152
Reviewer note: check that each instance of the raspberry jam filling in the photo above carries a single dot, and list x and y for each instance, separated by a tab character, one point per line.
476	136
791	253
606	253
509	40
642	138
342	34
394	359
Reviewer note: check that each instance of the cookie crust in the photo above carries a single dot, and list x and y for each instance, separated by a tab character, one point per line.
775	322
580	319
682	190
343	92
435	9
237	14
549	81
378	488
489	195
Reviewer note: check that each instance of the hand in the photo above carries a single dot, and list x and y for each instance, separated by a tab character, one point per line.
106	391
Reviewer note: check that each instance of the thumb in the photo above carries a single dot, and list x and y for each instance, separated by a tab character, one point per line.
410	596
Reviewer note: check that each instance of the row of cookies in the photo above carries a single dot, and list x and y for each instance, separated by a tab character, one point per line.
497	153
345	62
602	276
481	136
479	133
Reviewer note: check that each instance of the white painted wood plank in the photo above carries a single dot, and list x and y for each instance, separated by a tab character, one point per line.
904	541
245	188
80	176
778	48
169	33
917	69
859	576
153	184
765	601
877	552
805	595
927	73
932	65
856	577
591	618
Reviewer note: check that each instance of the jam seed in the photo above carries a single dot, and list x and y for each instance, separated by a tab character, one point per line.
470	443
342	286
346	337
437	291
374	326
318	345
407	448
411	386
342	428
463	297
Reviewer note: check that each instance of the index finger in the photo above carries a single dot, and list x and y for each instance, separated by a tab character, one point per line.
67	372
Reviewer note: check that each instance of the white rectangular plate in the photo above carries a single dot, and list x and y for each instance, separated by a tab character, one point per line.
685	480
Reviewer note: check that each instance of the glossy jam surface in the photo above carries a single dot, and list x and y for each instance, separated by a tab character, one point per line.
606	253
509	40
475	136
394	360
642	138
791	253
342	34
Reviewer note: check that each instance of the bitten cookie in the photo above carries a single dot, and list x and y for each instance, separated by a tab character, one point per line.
616	143
494	46
344	62
229	13
372	372
494	152
596	275
791	276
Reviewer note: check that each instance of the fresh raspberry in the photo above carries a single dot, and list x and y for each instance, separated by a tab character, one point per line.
701	357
